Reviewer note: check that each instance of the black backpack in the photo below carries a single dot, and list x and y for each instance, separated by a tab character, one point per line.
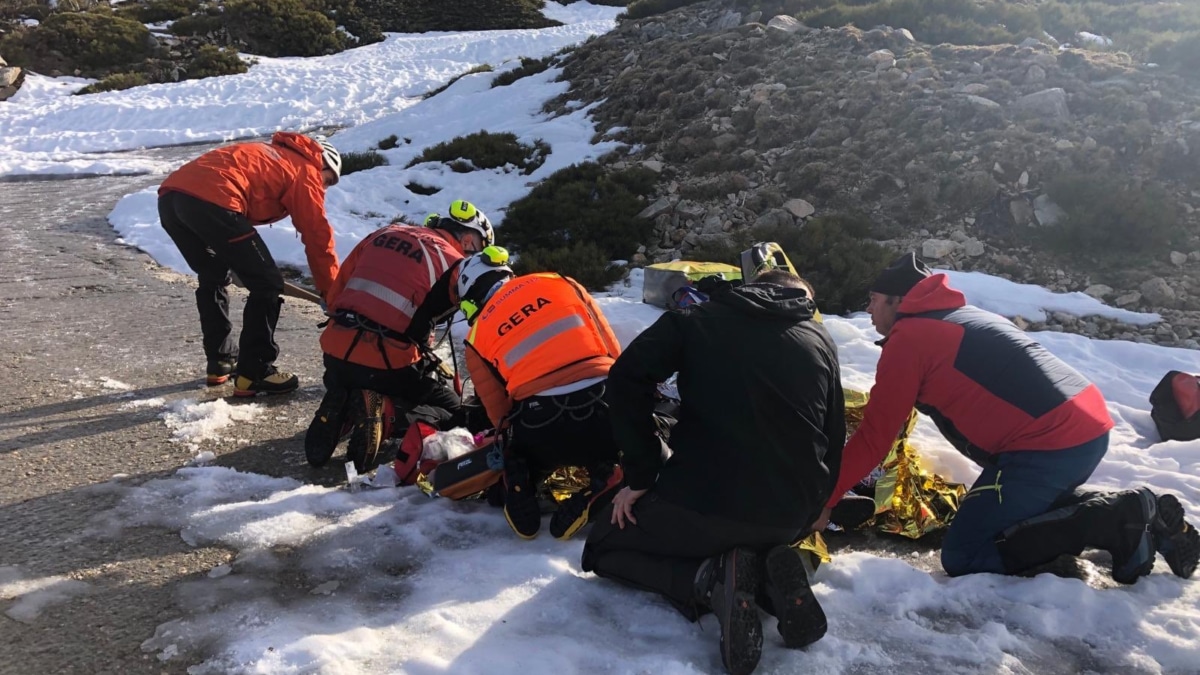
1175	407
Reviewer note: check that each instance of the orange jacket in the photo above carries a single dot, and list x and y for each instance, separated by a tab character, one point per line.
266	182
537	332
387	279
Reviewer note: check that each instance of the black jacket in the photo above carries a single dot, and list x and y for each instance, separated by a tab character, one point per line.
762	424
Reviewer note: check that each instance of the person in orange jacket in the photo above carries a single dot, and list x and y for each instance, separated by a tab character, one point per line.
392	289
210	207
538	352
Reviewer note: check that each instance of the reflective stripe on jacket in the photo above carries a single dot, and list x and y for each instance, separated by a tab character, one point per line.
386	279
537	332
266	182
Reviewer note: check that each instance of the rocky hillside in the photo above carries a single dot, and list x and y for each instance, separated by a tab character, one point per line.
1073	169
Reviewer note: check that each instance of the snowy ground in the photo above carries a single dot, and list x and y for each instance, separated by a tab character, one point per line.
389	580
384	581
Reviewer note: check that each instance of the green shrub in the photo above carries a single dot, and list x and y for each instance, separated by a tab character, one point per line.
361	161
419	16
389	142
212	61
835	253
1108	216
484	150
269	27
640	9
94	42
935	21
528	67
425	190
481	68
115	82
582	204
158	11
584	262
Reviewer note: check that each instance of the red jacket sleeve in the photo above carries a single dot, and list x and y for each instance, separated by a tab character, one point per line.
305	203
897	383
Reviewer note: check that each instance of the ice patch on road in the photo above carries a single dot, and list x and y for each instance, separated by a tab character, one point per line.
32	595
156	402
192	422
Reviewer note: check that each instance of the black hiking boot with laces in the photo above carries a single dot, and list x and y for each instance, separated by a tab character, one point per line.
326	429
220	370
727	584
521	508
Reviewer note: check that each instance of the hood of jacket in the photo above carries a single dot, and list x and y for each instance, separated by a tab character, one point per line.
769	300
932	294
301	144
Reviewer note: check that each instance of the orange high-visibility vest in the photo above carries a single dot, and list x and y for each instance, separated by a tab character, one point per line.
390	272
538	324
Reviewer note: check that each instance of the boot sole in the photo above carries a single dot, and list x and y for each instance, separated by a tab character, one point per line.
216	380
801	619
1184	541
321	439
733	603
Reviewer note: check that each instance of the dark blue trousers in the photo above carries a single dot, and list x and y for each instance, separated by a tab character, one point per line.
1018	486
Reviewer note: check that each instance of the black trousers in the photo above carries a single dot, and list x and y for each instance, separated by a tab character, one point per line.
663	552
409	386
215	242
572	429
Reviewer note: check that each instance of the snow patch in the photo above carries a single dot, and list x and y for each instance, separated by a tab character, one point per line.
34	594
192	422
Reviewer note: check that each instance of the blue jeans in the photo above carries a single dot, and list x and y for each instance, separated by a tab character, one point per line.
1018	486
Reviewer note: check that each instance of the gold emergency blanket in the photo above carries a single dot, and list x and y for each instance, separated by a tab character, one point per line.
909	500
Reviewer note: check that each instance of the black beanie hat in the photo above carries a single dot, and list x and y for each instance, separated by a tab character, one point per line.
899	278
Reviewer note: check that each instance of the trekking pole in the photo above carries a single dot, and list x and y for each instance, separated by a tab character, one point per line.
458	385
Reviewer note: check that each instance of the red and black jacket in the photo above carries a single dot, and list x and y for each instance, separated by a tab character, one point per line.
988	386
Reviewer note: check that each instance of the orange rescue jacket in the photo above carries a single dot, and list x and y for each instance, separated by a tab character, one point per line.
386	279
266	182
537	332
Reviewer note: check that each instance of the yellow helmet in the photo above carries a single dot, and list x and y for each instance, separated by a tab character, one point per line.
464	213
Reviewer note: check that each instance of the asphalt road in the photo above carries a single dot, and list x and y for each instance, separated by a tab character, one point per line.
86	325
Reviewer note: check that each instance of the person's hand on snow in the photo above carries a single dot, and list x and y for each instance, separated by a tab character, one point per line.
623	506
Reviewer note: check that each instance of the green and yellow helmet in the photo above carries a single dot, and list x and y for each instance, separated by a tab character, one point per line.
464	213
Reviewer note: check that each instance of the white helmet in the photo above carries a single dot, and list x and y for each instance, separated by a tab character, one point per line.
464	213
331	156
477	275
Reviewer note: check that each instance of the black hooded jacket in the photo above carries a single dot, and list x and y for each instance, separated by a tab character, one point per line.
762	424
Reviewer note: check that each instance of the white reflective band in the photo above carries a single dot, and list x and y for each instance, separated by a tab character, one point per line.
540	337
399	302
428	263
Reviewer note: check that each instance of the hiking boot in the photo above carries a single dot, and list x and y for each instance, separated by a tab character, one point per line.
367	437
580	508
219	371
1134	555
801	619
325	430
1178	541
274	382
852	511
521	508
727	584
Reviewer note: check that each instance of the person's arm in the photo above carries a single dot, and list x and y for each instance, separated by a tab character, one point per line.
305	203
897	382
632	383
345	272
435	305
835	424
488	387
